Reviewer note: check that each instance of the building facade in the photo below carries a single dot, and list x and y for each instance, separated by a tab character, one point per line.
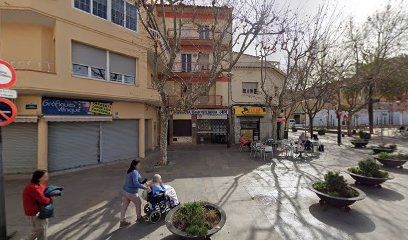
83	80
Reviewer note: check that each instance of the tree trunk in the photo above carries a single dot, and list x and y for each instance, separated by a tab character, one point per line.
311	126
370	109
328	120
164	125
350	116
274	127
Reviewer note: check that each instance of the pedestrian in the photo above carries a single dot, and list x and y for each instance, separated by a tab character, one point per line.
133	183
33	199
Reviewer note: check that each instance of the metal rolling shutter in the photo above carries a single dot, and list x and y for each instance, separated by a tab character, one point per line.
19	142
72	145
120	140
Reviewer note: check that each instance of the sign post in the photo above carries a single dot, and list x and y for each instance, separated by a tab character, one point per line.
8	113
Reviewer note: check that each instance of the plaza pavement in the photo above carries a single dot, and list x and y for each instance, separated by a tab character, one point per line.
262	200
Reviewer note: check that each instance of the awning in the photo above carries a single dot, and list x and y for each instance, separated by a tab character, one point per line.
63	118
26	119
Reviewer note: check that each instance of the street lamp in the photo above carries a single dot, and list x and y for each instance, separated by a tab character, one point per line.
229	75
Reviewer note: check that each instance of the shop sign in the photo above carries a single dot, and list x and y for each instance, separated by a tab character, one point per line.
206	116
58	106
212	112
249	111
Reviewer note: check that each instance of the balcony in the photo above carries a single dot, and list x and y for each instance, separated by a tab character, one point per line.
191	67
193	36
211	101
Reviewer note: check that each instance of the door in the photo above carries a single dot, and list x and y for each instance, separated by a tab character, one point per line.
72	144
19	142
186	62
119	140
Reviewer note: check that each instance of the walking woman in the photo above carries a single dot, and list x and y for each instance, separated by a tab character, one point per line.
33	197
129	193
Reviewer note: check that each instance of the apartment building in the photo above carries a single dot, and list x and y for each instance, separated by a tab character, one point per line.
83	80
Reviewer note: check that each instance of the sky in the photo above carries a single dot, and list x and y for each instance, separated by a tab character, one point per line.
358	9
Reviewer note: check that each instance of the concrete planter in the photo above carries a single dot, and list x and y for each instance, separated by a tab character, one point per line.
359	144
391	162
184	235
338	201
378	150
369	181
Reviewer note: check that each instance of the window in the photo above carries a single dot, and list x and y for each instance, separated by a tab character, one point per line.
182	128
84	5
80	70
122	68
204	32
117	12
276	91
249	87
121	12
186	62
99	8
131	16
93	63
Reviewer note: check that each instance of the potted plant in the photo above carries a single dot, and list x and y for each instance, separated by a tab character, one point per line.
368	173
389	160
321	131
294	129
195	220
359	142
384	148
364	135
335	191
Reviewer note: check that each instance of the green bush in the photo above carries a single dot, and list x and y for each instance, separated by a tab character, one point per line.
335	185
321	131
364	135
369	168
294	129
195	219
384	155
399	156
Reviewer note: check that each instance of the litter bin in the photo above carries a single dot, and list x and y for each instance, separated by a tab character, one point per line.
286	134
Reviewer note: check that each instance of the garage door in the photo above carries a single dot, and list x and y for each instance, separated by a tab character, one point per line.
120	140
72	145
19	142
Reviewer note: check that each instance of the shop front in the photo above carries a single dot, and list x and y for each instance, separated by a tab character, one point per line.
250	121
212	126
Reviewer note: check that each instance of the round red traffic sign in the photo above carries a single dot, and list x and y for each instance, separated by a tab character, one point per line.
8	112
7	75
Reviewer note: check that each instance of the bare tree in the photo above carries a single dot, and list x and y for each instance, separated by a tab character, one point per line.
383	36
233	24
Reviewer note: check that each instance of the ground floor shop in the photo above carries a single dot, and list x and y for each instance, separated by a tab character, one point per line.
58	134
199	126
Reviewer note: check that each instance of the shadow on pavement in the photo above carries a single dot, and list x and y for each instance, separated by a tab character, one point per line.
135	231
403	171
380	193
351	222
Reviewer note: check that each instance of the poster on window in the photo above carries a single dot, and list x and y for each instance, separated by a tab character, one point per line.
59	106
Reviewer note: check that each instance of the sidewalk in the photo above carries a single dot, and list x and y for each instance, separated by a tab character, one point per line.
261	200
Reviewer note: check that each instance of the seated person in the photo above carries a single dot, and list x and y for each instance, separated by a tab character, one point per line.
302	138
157	187
244	142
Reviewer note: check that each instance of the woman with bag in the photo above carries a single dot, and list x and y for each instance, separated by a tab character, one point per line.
33	200
133	183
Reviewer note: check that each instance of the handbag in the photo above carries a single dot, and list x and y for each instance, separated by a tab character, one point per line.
46	211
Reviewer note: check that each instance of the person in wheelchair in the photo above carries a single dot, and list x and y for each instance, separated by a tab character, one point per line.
160	199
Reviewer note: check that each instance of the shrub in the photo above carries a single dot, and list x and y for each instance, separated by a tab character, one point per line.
294	129
384	155
321	131
195	219
335	185
364	135
369	168
393	146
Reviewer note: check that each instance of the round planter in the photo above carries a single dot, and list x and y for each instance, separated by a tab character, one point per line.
391	162
380	150
338	201
184	235
369	181
359	144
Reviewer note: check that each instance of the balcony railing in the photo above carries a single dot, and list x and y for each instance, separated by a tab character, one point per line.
191	67
192	34
202	101
32	65
162	43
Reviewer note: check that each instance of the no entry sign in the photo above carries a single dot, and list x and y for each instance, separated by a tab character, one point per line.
8	112
7	75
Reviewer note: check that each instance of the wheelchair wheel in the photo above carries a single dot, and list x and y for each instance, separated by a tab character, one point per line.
155	216
147	209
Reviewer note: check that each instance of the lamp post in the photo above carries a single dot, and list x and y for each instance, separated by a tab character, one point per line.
229	75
